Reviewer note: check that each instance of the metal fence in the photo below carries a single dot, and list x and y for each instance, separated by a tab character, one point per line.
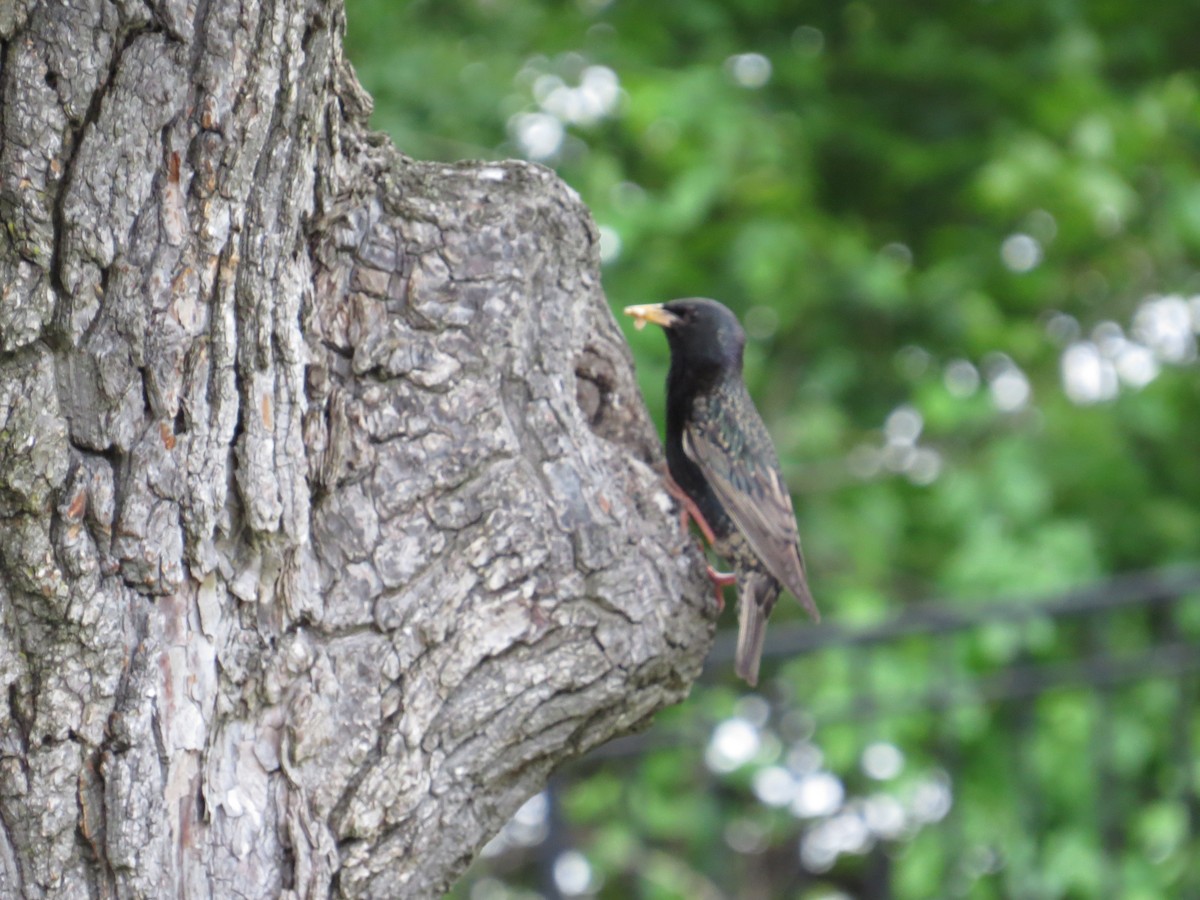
1070	721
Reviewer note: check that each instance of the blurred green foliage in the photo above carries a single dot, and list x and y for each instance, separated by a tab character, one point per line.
963	239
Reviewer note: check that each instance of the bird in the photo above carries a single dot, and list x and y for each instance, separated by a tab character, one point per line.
725	467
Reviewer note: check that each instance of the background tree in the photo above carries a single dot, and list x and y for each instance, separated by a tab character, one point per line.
328	523
963	238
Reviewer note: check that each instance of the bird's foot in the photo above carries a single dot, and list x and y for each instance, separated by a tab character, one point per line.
720	580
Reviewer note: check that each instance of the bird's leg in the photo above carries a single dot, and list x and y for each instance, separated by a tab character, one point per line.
689	510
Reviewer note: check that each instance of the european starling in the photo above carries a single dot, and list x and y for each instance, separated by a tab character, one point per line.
721	456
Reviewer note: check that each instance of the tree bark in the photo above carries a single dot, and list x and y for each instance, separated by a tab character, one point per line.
329	514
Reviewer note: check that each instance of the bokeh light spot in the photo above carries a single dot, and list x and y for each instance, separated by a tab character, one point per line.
1062	328
898	253
746	836
733	744
610	244
884	815
912	361
931	799
903	425
864	461
1136	366
749	70
925	466
754	708
538	135
1042	225
805	758
1165	325
961	378
1086	375
882	761
1021	252
808	41
774	786
817	794
761	322
572	873
1009	387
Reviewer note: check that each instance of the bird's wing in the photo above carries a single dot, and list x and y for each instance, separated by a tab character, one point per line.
737	460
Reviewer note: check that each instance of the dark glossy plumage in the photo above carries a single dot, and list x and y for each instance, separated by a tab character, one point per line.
720	453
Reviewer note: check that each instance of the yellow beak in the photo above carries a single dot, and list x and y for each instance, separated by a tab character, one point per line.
651	312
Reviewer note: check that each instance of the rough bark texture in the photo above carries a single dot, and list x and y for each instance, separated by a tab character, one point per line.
328	517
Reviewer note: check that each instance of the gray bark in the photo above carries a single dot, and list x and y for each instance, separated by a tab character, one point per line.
329	518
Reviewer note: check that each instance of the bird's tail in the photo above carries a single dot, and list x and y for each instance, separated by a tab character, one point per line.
757	592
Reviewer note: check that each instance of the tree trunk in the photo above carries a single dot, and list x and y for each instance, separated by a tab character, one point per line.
329	518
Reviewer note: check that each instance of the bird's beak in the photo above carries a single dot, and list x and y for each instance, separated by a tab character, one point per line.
651	312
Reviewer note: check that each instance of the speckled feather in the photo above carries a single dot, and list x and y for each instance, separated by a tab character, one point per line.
721	455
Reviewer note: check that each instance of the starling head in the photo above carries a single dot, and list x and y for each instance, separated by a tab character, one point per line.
702	334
